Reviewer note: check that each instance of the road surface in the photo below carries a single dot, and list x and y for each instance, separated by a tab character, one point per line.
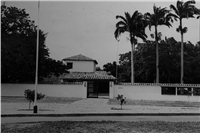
101	118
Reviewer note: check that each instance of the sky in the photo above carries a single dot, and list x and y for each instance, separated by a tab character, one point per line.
87	27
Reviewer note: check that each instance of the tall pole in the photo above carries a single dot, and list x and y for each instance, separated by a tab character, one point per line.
182	54
117	62
132	63
36	71
157	56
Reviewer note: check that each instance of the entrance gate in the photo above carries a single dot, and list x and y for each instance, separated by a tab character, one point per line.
97	88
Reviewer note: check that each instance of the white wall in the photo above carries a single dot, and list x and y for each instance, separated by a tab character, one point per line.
59	90
138	92
82	66
149	92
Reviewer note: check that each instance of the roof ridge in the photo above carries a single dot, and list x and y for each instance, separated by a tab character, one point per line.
79	57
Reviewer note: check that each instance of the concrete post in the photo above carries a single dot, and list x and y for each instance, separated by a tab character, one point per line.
111	89
85	88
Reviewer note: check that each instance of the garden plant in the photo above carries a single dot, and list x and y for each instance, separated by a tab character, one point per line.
30	96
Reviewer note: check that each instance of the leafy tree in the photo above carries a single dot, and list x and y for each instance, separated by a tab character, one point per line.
111	67
30	96
98	69
160	16
145	62
184	10
169	61
51	79
135	26
125	67
145	70
18	39
192	63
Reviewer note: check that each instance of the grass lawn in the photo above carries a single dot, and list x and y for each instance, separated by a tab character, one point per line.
156	103
102	127
18	99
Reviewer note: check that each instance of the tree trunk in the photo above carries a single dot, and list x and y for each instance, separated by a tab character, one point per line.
29	105
132	63
157	56
182	67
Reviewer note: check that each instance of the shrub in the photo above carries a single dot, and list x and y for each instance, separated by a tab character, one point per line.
121	99
30	96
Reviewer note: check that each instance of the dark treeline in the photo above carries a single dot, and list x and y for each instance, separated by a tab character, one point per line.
169	58
18	49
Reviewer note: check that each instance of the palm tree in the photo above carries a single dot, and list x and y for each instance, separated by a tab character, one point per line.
160	16
184	10
135	26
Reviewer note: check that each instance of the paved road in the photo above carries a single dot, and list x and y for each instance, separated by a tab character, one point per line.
100	118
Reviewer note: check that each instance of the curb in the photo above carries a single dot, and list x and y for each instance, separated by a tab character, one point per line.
100	114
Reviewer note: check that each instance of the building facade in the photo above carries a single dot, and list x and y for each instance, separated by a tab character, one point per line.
83	69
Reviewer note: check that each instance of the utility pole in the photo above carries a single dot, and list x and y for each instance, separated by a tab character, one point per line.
35	109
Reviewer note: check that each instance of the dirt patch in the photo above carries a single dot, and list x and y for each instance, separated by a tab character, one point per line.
156	103
19	99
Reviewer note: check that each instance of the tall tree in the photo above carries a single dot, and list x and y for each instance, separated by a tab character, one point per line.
135	26
18	43
145	60
110	67
184	10
160	16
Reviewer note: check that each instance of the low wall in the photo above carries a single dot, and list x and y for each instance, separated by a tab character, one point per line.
135	91
150	92
54	90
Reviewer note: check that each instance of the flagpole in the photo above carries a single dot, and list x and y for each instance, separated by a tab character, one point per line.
35	109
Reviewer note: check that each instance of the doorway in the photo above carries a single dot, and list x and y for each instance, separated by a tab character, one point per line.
98	89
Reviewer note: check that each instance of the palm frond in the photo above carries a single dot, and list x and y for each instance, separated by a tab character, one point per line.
120	24
135	14
152	35
178	29
174	9
184	30
172	16
119	31
134	24
121	17
141	35
128	18
168	24
188	3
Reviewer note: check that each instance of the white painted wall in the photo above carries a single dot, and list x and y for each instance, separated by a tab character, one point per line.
82	66
142	92
61	90
138	92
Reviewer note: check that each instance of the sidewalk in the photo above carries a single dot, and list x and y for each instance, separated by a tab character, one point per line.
93	106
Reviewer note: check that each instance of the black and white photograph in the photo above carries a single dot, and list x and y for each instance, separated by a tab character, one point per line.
97	66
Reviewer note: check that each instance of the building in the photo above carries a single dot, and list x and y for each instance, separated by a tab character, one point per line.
83	69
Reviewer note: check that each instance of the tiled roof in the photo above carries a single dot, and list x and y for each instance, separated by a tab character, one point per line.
79	58
87	76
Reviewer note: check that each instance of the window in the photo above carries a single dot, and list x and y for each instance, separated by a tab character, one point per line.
183	90
168	91
69	65
196	91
